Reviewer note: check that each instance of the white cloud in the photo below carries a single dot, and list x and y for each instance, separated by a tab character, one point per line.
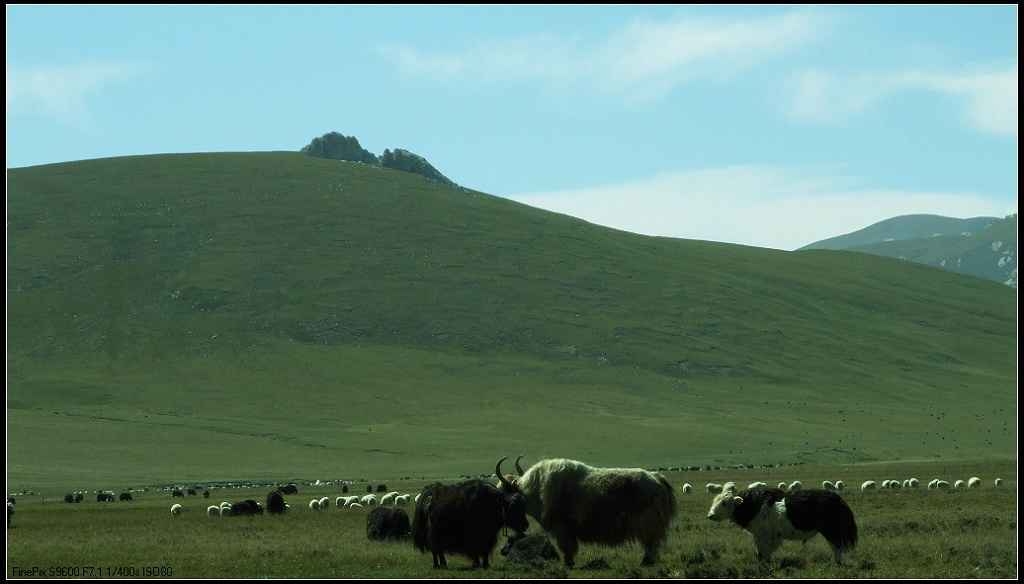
989	97
61	91
751	205
645	57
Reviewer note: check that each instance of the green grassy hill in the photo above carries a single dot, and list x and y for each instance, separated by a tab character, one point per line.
984	247
274	315
904	227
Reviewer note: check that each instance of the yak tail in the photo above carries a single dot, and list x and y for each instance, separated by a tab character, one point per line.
841	528
420	520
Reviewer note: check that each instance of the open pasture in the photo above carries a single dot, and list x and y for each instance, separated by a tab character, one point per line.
903	534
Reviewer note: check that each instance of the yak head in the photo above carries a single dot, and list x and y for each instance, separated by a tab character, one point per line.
513	502
723	506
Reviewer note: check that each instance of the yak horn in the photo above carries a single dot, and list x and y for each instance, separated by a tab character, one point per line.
501	478
519	469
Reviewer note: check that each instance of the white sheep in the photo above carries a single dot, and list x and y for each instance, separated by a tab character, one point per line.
942	484
828	485
402	500
368	500
782	486
895	484
712	488
176	509
314	505
388	499
795	485
213	510
933	484
325	503
997	482
959	484
913	482
355	506
973	483
868	485
840	485
729	486
687	488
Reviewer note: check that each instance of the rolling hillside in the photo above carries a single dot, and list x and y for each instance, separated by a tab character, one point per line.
275	315
984	247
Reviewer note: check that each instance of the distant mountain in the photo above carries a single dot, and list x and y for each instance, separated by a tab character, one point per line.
337	146
985	247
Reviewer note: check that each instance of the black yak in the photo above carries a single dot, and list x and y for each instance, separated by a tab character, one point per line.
465	518
576	503
191	492
275	502
773	515
125	496
206	494
246	507
387	523
177	493
104	497
344	488
382	488
69	498
290	489
79	497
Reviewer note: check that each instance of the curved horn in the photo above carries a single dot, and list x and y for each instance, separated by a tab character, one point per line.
519	469
501	478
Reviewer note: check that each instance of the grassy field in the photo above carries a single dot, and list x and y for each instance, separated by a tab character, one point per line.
276	316
903	534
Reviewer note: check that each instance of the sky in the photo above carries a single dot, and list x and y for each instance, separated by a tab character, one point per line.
767	126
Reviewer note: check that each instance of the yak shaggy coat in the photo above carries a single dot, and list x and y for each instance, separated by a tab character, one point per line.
579	503
772	515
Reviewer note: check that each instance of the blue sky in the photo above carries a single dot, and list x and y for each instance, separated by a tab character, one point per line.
770	126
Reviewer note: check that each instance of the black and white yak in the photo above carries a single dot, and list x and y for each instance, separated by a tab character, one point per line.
773	515
465	518
575	502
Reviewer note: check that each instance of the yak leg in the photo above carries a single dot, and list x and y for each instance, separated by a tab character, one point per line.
487	562
568	545
650	553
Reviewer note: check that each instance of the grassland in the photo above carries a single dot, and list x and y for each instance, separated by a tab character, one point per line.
275	316
903	534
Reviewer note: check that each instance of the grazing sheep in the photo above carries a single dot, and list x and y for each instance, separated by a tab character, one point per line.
795	485
885	484
932	483
176	509
959	484
828	485
894	484
840	485
325	503
339	502
914	482
213	510
224	507
997	482
355	506
906	483
772	516
368	500
713	488
687	488
782	486
388	499
942	485
973	483
402	500
314	505
868	485
757	484
729	486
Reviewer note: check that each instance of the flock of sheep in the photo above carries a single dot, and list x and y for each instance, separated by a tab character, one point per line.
322	504
911	483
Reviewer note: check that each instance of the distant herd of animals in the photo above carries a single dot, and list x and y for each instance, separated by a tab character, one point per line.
574	503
